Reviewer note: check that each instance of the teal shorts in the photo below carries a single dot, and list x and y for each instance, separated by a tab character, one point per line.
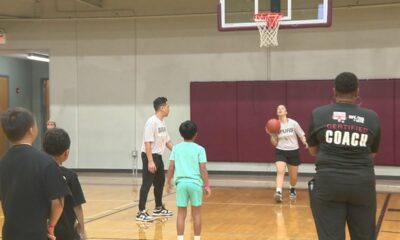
188	191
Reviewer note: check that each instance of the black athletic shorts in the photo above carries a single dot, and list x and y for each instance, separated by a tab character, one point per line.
291	157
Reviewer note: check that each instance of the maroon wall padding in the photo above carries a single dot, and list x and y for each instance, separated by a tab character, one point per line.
397	122
214	108
302	98
231	115
257	102
378	95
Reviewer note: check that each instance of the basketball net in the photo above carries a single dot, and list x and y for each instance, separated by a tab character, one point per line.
268	27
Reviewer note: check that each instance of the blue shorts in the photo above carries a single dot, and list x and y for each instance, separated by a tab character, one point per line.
189	191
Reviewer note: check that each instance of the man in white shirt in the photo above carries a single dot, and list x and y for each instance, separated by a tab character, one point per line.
155	140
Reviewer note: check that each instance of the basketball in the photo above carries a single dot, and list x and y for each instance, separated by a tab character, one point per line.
273	126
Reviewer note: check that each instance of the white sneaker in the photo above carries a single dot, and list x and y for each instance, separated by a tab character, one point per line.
144	216
162	211
292	193
278	197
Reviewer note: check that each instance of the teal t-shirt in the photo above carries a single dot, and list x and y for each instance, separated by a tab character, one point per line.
187	157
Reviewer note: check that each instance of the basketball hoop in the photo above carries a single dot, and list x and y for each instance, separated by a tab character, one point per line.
268	26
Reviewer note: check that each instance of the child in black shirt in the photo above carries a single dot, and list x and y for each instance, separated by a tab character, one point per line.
57	143
32	188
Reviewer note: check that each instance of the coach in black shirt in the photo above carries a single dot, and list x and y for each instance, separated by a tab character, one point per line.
32	188
344	138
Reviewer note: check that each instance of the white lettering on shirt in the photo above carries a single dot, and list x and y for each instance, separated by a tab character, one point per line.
346	138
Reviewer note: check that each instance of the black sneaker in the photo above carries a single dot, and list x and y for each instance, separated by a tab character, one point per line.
162	211
292	193
144	216
278	197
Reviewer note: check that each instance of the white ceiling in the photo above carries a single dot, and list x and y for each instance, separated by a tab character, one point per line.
41	9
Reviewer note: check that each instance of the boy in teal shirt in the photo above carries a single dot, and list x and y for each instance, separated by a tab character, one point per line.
188	168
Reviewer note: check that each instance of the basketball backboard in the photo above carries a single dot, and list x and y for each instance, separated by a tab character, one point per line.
236	15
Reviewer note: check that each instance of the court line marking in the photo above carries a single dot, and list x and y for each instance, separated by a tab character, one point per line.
382	215
256	204
112	184
107	200
127	206
118	209
390	232
119	238
252	236
112	210
124	207
393	209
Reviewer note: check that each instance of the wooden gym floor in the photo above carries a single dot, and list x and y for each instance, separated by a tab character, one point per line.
241	207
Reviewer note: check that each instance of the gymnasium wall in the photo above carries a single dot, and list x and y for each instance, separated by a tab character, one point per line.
233	131
105	73
19	73
25	75
92	74
40	72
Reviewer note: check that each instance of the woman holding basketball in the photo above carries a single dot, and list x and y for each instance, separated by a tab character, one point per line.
287	151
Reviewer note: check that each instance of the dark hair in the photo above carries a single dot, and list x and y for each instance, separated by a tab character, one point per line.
158	102
188	129
346	82
56	141
16	123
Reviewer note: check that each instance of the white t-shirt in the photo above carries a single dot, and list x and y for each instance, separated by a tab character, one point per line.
155	132
287	137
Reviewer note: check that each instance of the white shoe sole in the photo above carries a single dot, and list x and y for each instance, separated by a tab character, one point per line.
278	199
163	214
144	220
